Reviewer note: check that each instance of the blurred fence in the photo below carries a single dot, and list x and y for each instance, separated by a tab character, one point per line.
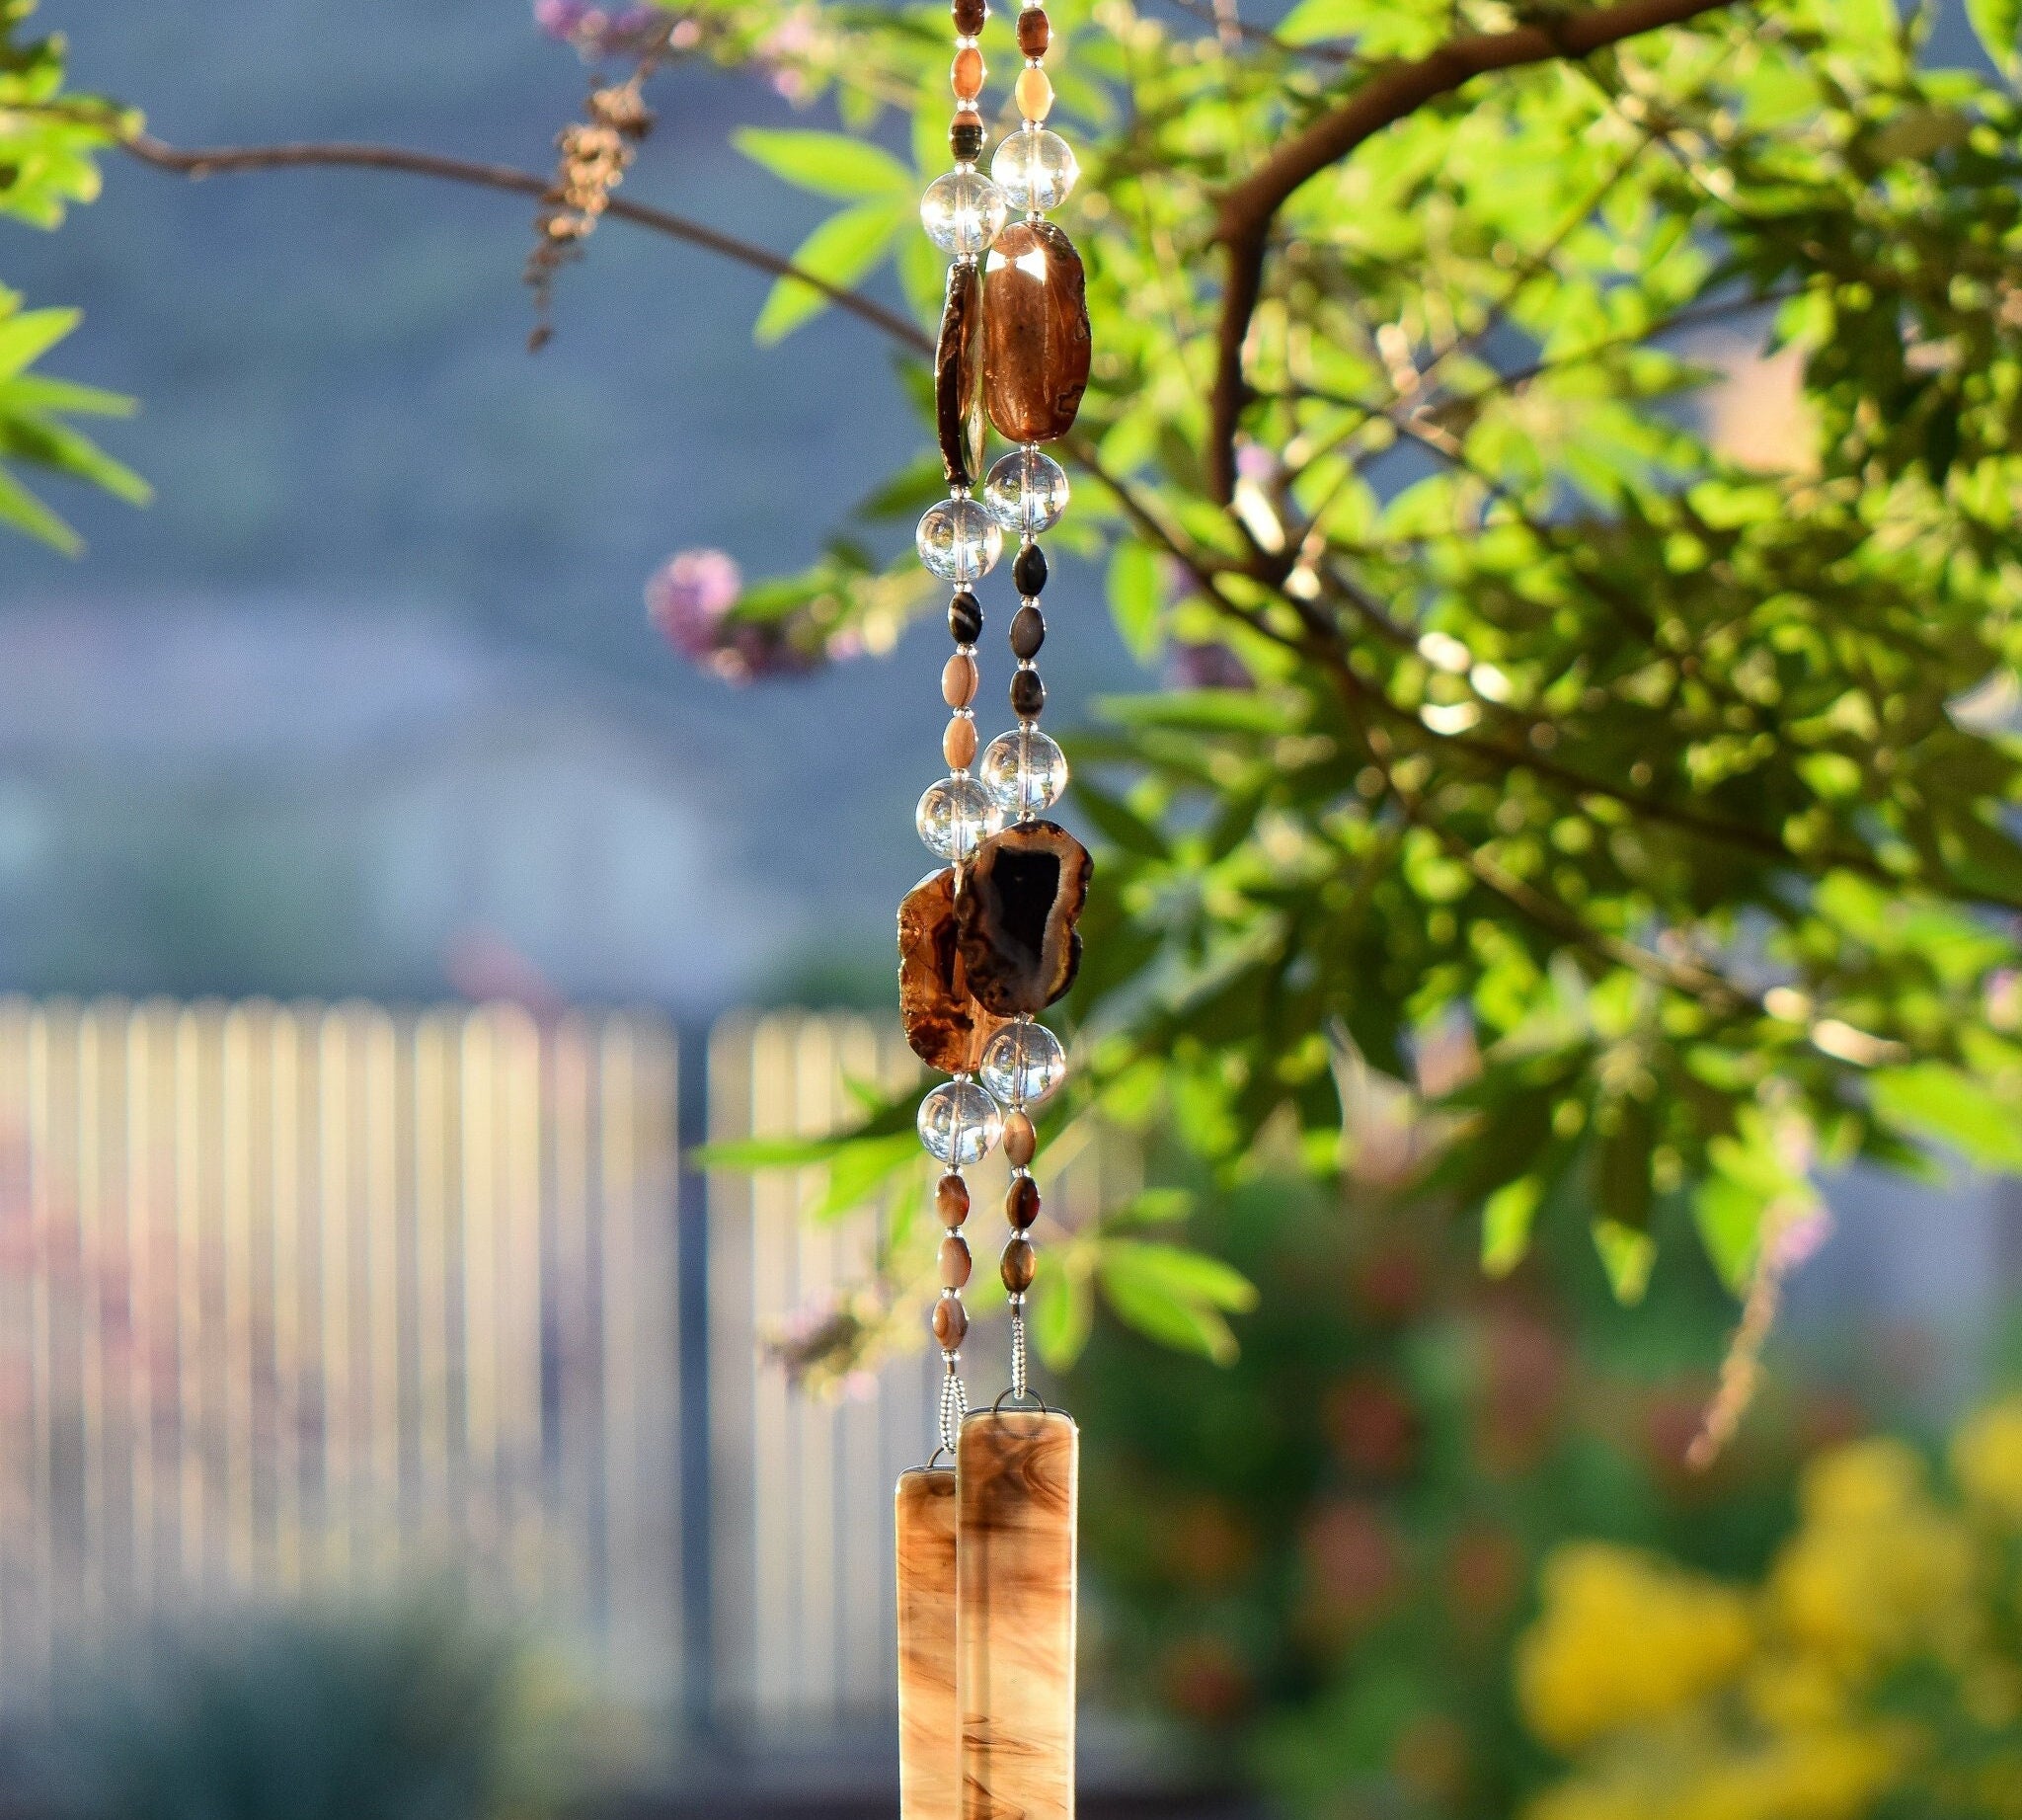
313	1299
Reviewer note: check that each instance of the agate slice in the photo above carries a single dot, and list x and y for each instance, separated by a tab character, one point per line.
929	1743
958	375
1015	917
1016	1471
944	1024
1035	339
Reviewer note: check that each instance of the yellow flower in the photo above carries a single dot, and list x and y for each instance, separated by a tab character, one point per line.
1624	1638
1987	1460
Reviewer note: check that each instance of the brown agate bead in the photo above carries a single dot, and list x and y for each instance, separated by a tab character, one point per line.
1035	31
1015	918
959	680
970	15
951	1200
1017	1266
964	611
958	375
965	136
1036	337
968	73
1028	632
954	1262
944	1024
1020	1139
1021	1204
958	743
1028	694
951	1323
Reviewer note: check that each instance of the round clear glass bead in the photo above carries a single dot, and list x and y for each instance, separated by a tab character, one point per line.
955	816
1023	771
959	1123
1026	491
1023	1064
958	540
1035	169
962	211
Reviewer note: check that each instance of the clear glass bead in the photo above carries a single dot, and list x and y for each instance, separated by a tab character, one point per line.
962	211
958	540
1023	771
1026	491
959	1123
955	816
1023	1064
1035	169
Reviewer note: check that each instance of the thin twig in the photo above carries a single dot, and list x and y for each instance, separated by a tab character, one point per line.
1248	210
222	160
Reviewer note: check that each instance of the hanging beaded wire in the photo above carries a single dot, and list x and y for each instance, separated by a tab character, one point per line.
960	542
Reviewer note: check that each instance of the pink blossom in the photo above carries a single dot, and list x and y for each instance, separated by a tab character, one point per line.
690	596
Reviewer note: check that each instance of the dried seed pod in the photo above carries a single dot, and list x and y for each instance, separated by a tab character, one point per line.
945	1025
1015	918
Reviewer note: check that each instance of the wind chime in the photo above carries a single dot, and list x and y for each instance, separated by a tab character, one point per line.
986	1529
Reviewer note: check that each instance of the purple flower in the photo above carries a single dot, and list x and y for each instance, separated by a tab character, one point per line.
688	599
596	31
1207	667
1799	1240
784	52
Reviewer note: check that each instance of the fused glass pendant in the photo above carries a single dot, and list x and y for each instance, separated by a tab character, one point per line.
929	1754
1016	1478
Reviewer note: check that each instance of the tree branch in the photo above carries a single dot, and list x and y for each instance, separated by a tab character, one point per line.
1251	206
208	161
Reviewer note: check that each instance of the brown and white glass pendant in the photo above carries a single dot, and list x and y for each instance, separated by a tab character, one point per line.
986	1528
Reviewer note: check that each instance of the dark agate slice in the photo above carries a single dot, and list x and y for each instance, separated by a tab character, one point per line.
1015	917
1035	339
958	372
944	1024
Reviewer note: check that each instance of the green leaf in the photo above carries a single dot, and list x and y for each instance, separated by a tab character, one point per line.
1627	1256
1175	1296
1137	598
1116	822
1506	1222
1999	26
1935	1100
22	509
841	251
826	163
1062	1319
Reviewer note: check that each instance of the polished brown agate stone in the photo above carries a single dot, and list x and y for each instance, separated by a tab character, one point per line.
1035	339
929	1722
1016	1483
945	1025
1015	918
958	373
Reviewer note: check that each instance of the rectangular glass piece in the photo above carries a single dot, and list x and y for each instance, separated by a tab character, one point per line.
929	1741
1016	1474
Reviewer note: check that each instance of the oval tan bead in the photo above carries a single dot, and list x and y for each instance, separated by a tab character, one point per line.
1035	339
951	1323
1032	93
1020	1139
958	744
1017	1266
959	678
954	1262
1021	1201
951	1200
968	73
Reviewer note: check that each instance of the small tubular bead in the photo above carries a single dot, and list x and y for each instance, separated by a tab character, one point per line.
1032	93
1017	1266
1028	694
1028	632
970	15
951	1200
1020	1139
959	677
968	73
958	743
1035	31
1029	571
953	1261
1020	1203
966	137
951	1323
965	618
